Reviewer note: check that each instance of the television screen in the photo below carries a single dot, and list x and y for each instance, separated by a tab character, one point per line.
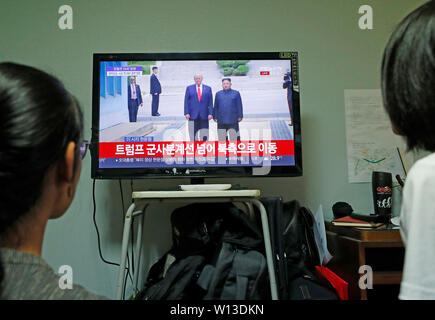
196	115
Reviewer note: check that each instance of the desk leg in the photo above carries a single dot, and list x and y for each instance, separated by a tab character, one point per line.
268	247
138	249
125	235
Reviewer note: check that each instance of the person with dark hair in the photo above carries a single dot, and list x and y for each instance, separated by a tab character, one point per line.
408	89
155	90
134	99
228	112
41	147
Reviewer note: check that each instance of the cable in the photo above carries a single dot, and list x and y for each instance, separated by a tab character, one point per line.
96	228
399	180
99	240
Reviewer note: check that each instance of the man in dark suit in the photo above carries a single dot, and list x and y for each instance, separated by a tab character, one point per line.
228	112
198	109
134	99
155	90
288	85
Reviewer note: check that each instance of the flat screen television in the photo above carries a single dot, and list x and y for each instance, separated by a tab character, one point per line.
197	115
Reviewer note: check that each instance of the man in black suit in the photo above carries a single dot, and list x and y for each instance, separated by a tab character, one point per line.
228	112
156	90
134	99
288	85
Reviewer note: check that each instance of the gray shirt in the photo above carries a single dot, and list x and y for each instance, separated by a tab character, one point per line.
29	277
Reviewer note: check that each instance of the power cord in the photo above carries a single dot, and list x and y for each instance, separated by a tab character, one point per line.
99	240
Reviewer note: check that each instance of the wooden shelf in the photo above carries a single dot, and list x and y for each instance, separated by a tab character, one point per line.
381	249
387	277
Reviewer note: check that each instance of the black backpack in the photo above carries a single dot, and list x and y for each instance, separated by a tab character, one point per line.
218	255
300	249
177	284
295	251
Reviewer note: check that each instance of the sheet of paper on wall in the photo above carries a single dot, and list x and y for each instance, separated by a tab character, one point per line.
320	236
371	143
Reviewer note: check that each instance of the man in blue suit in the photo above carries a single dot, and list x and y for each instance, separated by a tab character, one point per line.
228	112
155	90
134	99
198	109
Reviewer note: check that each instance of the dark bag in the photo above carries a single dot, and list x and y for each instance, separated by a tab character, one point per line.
299	245
218	255
239	274
194	234
308	288
295	250
239	269
177	284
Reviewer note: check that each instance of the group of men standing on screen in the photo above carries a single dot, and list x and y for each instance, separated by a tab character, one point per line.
135	96
227	110
199	109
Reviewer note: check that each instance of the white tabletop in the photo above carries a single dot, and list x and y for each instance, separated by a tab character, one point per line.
195	194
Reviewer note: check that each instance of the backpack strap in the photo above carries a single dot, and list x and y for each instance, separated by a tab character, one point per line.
241	287
206	276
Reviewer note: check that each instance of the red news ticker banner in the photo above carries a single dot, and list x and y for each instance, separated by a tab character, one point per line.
197	148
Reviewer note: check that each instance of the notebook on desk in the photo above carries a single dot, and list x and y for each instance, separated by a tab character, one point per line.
348	221
383	233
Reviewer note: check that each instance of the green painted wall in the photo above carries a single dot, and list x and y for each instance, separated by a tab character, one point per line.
334	55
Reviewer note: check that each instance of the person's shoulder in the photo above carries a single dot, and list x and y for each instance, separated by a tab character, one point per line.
52	290
423	169
190	89
428	160
29	277
76	293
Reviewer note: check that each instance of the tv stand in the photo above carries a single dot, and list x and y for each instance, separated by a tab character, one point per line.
145	198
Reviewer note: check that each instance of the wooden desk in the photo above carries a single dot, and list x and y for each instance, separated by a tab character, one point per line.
381	249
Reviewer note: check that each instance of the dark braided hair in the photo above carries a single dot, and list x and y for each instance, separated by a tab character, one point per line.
38	118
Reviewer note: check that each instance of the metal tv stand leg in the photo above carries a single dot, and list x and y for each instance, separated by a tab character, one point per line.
139	242
125	235
268	247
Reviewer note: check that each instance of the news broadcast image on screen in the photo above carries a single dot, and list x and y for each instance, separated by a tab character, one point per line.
165	114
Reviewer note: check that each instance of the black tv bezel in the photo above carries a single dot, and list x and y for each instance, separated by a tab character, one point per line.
204	172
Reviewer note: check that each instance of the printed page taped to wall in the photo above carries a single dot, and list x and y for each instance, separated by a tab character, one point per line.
371	143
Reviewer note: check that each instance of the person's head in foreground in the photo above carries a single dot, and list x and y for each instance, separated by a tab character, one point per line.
41	148
408	78
408	88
